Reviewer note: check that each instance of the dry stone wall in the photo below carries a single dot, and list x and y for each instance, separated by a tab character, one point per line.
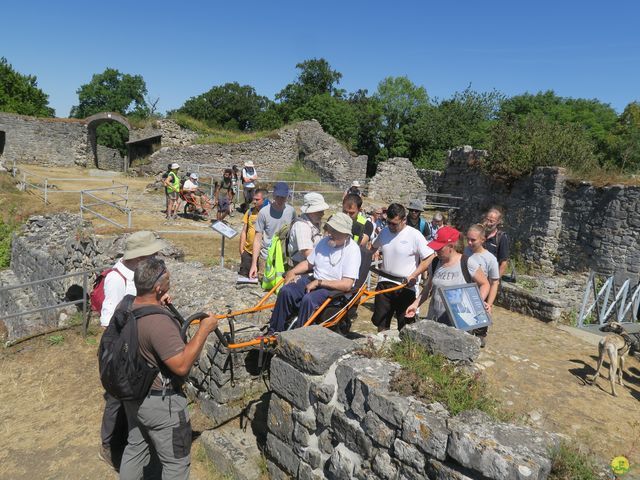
396	180
44	141
304	141
555	224
334	415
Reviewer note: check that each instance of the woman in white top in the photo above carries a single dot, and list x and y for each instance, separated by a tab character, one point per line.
488	263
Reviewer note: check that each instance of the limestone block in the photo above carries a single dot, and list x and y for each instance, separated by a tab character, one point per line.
378	430
384	466
289	383
323	392
441	471
234	453
391	407
300	435
408	454
313	349
275	472
437	338
498	450
305	472
342	463
310	455
281	453
349	432
426	430
279	418
324	414
357	375
306	418
220	413
325	441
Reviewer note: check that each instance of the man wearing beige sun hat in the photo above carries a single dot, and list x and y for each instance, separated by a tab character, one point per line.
118	282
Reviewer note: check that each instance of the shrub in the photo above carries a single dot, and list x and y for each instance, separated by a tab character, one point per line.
6	231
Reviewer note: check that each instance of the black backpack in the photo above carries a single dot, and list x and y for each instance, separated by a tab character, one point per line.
124	373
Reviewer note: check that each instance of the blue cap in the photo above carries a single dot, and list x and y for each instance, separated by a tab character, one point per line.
281	189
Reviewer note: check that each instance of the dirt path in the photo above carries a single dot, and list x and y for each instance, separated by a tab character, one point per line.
51	408
537	370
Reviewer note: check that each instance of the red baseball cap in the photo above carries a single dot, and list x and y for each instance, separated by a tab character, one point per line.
444	236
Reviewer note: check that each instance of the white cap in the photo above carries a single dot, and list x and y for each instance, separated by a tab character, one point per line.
174	166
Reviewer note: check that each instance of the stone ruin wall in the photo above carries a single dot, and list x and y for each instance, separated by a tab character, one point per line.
334	414
556	224
44	141
304	141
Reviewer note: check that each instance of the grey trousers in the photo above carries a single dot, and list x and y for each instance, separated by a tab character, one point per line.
160	426
113	431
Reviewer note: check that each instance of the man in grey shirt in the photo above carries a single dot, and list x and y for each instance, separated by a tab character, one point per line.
270	219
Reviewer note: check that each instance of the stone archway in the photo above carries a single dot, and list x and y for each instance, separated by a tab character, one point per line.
103	157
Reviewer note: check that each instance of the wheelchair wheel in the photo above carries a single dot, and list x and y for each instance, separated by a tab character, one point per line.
189	210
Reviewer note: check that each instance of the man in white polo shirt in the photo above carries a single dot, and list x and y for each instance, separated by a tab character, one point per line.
405	254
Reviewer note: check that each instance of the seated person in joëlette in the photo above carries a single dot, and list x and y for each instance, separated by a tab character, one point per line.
335	261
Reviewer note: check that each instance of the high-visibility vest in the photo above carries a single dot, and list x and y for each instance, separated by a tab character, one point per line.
358	228
274	266
174	183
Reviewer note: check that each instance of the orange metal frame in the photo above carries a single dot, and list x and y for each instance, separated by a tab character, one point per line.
361	296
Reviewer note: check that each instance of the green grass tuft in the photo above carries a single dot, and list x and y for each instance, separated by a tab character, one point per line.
56	339
570	463
434	379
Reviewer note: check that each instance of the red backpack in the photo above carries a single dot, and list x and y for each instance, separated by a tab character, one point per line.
96	297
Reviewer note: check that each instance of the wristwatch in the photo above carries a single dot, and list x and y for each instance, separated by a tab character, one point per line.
319	283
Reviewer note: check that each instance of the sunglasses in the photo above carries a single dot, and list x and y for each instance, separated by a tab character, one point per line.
162	272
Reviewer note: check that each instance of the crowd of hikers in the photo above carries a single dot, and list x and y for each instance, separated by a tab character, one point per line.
226	191
145	426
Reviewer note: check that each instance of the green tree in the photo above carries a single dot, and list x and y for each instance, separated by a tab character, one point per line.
595	117
626	139
112	91
20	93
316	77
335	115
232	106
518	146
400	101
464	119
368	113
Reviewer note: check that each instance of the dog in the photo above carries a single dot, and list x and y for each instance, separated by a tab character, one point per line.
617	345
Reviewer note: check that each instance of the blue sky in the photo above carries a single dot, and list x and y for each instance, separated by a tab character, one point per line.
579	49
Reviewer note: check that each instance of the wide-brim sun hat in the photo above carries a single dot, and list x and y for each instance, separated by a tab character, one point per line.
193	176
444	236
249	163
341	222
355	183
175	166
141	244
313	202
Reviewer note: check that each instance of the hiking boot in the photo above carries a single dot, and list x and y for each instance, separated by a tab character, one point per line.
104	454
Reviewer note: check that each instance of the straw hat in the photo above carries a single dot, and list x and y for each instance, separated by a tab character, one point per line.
248	163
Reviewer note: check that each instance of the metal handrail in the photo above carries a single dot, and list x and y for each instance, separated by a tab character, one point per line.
83	301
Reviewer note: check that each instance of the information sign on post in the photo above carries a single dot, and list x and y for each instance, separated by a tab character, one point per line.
226	232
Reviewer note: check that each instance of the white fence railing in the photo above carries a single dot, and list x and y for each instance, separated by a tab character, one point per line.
607	302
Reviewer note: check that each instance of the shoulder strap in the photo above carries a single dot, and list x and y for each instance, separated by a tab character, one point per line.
422	225
465	269
151	310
